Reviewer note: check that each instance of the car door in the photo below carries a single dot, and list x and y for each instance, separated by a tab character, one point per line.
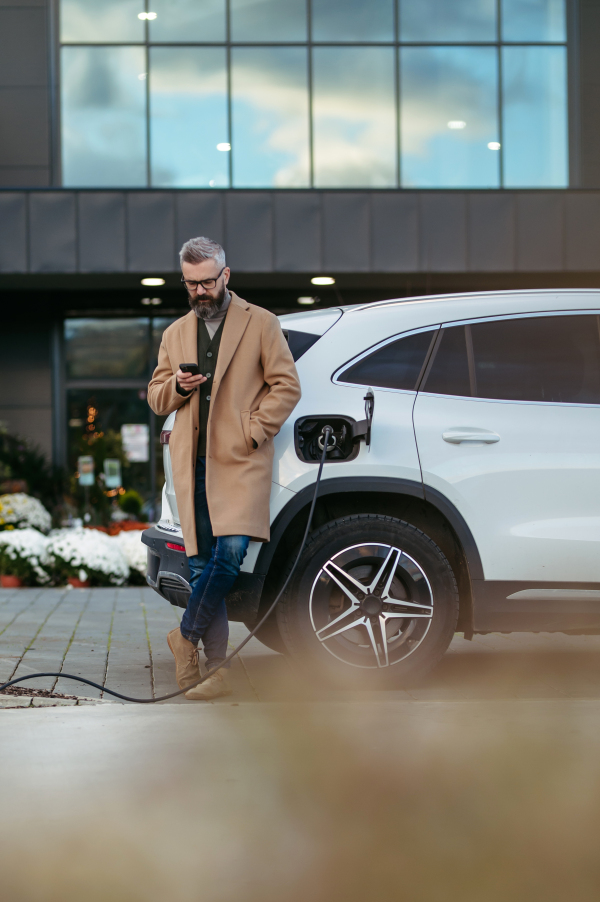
507	423
392	370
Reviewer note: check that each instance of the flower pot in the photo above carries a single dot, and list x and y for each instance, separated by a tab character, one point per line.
78	583
10	582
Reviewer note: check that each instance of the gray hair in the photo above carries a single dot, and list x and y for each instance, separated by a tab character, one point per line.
196	250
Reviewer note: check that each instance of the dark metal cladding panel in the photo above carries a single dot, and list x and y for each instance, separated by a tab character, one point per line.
150	231
25	122
25	366
540	231
395	232
346	232
491	232
297	232
198	213
249	231
101	231
24	177
52	232
23	43
443	232
13	232
582	220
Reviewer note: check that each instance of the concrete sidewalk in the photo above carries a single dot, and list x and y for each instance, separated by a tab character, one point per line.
117	637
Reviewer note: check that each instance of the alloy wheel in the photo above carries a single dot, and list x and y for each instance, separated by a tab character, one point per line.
371	605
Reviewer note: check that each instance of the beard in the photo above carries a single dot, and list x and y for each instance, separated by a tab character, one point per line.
208	309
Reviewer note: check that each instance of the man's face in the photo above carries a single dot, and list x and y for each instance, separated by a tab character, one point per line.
206	302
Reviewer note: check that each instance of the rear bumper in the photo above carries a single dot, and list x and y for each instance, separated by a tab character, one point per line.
168	574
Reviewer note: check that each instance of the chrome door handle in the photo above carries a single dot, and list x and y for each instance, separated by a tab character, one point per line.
456	436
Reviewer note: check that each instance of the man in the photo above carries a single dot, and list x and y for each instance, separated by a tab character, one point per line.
221	445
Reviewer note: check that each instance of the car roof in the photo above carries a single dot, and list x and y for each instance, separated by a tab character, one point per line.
457	297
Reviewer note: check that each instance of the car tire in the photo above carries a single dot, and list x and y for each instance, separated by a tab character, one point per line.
373	602
269	634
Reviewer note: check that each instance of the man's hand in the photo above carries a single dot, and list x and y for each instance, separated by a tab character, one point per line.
188	382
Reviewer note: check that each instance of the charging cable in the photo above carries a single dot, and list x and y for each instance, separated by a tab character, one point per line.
327	432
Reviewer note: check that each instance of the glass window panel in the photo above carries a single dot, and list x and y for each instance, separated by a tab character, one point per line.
159	324
268	20
445	21
270	143
354	117
449	373
105	348
449	117
103	116
114	21
547	359
109	408
534	20
535	117
352	20
187	21
396	365
188	117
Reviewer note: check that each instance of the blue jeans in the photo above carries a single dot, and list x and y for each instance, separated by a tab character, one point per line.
213	572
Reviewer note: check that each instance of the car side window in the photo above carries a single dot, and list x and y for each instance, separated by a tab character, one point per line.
449	370
397	364
541	358
552	359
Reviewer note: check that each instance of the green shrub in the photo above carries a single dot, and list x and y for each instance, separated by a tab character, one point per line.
21	460
131	502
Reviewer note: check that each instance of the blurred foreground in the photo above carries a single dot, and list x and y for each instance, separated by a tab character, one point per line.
347	801
479	785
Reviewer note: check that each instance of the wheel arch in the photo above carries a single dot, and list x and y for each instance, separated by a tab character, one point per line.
423	506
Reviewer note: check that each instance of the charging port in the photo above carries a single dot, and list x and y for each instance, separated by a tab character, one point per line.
309	439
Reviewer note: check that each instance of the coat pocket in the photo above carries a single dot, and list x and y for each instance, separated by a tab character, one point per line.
245	414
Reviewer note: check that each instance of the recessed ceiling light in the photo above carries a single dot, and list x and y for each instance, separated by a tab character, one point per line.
494	145
306	302
457	123
322	280
153	281
224	145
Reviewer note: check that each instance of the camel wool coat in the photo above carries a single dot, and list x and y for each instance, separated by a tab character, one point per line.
255	389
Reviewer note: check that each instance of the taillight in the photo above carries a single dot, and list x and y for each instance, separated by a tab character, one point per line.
165	436
176	547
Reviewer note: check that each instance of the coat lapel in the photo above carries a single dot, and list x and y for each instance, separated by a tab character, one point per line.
236	321
189	339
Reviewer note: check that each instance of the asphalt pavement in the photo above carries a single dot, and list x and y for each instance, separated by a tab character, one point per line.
117	637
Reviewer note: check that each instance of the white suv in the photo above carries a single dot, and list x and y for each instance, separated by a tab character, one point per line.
475	506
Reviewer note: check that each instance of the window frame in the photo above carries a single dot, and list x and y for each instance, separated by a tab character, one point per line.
490	319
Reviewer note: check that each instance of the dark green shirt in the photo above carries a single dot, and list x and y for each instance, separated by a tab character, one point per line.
208	352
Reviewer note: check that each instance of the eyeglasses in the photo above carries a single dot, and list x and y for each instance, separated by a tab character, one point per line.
207	284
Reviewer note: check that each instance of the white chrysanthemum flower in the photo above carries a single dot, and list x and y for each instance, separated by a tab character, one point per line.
90	550
28	545
21	510
135	552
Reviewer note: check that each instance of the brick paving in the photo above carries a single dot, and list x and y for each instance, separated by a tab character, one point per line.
117	637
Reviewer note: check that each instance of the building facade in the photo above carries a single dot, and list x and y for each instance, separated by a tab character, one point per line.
402	147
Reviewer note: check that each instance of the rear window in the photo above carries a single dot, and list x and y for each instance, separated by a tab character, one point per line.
397	364
299	342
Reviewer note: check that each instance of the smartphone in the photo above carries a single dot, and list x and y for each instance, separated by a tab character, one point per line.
192	368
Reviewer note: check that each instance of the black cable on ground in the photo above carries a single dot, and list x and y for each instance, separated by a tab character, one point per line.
327	431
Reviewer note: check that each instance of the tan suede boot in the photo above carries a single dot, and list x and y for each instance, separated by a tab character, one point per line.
186	659
215	686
